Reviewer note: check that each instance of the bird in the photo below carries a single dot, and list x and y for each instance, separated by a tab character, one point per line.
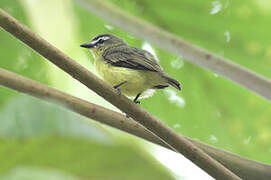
130	70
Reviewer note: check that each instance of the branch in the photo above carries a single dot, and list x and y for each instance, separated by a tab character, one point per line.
244	168
177	142
172	43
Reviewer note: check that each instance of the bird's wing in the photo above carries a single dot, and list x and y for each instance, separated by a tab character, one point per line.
130	57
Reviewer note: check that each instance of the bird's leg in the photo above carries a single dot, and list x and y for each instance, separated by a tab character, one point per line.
118	85
135	100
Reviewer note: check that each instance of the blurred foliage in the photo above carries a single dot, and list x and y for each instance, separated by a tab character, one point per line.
81	158
45	140
209	108
14	54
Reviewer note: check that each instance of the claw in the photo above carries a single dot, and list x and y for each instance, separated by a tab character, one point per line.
137	102
118	90
118	85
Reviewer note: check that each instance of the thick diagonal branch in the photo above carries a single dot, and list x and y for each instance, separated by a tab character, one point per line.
174	44
244	168
173	139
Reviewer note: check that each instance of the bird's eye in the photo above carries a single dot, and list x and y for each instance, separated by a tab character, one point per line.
101	41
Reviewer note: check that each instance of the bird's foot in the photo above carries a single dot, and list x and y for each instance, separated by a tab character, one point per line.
118	90
118	85
137	102
136	99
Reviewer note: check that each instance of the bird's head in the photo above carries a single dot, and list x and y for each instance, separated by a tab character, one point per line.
102	42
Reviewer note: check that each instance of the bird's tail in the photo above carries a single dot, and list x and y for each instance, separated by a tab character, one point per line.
172	82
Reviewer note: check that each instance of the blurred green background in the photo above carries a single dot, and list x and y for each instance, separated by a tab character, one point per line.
42	141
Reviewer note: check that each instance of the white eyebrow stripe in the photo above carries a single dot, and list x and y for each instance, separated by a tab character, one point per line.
94	42
103	38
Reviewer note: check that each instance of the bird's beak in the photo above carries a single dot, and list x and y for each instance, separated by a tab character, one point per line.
87	45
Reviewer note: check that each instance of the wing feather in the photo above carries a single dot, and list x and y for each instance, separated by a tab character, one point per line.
130	57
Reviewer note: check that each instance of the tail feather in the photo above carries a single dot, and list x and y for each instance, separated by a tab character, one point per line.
173	82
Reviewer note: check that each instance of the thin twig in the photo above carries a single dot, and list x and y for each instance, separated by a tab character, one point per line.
174	44
244	168
179	143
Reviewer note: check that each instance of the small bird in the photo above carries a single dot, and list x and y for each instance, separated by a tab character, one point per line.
129	70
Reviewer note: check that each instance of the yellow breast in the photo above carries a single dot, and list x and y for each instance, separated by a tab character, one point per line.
136	80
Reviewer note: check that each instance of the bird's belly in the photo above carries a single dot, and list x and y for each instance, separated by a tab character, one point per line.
135	79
